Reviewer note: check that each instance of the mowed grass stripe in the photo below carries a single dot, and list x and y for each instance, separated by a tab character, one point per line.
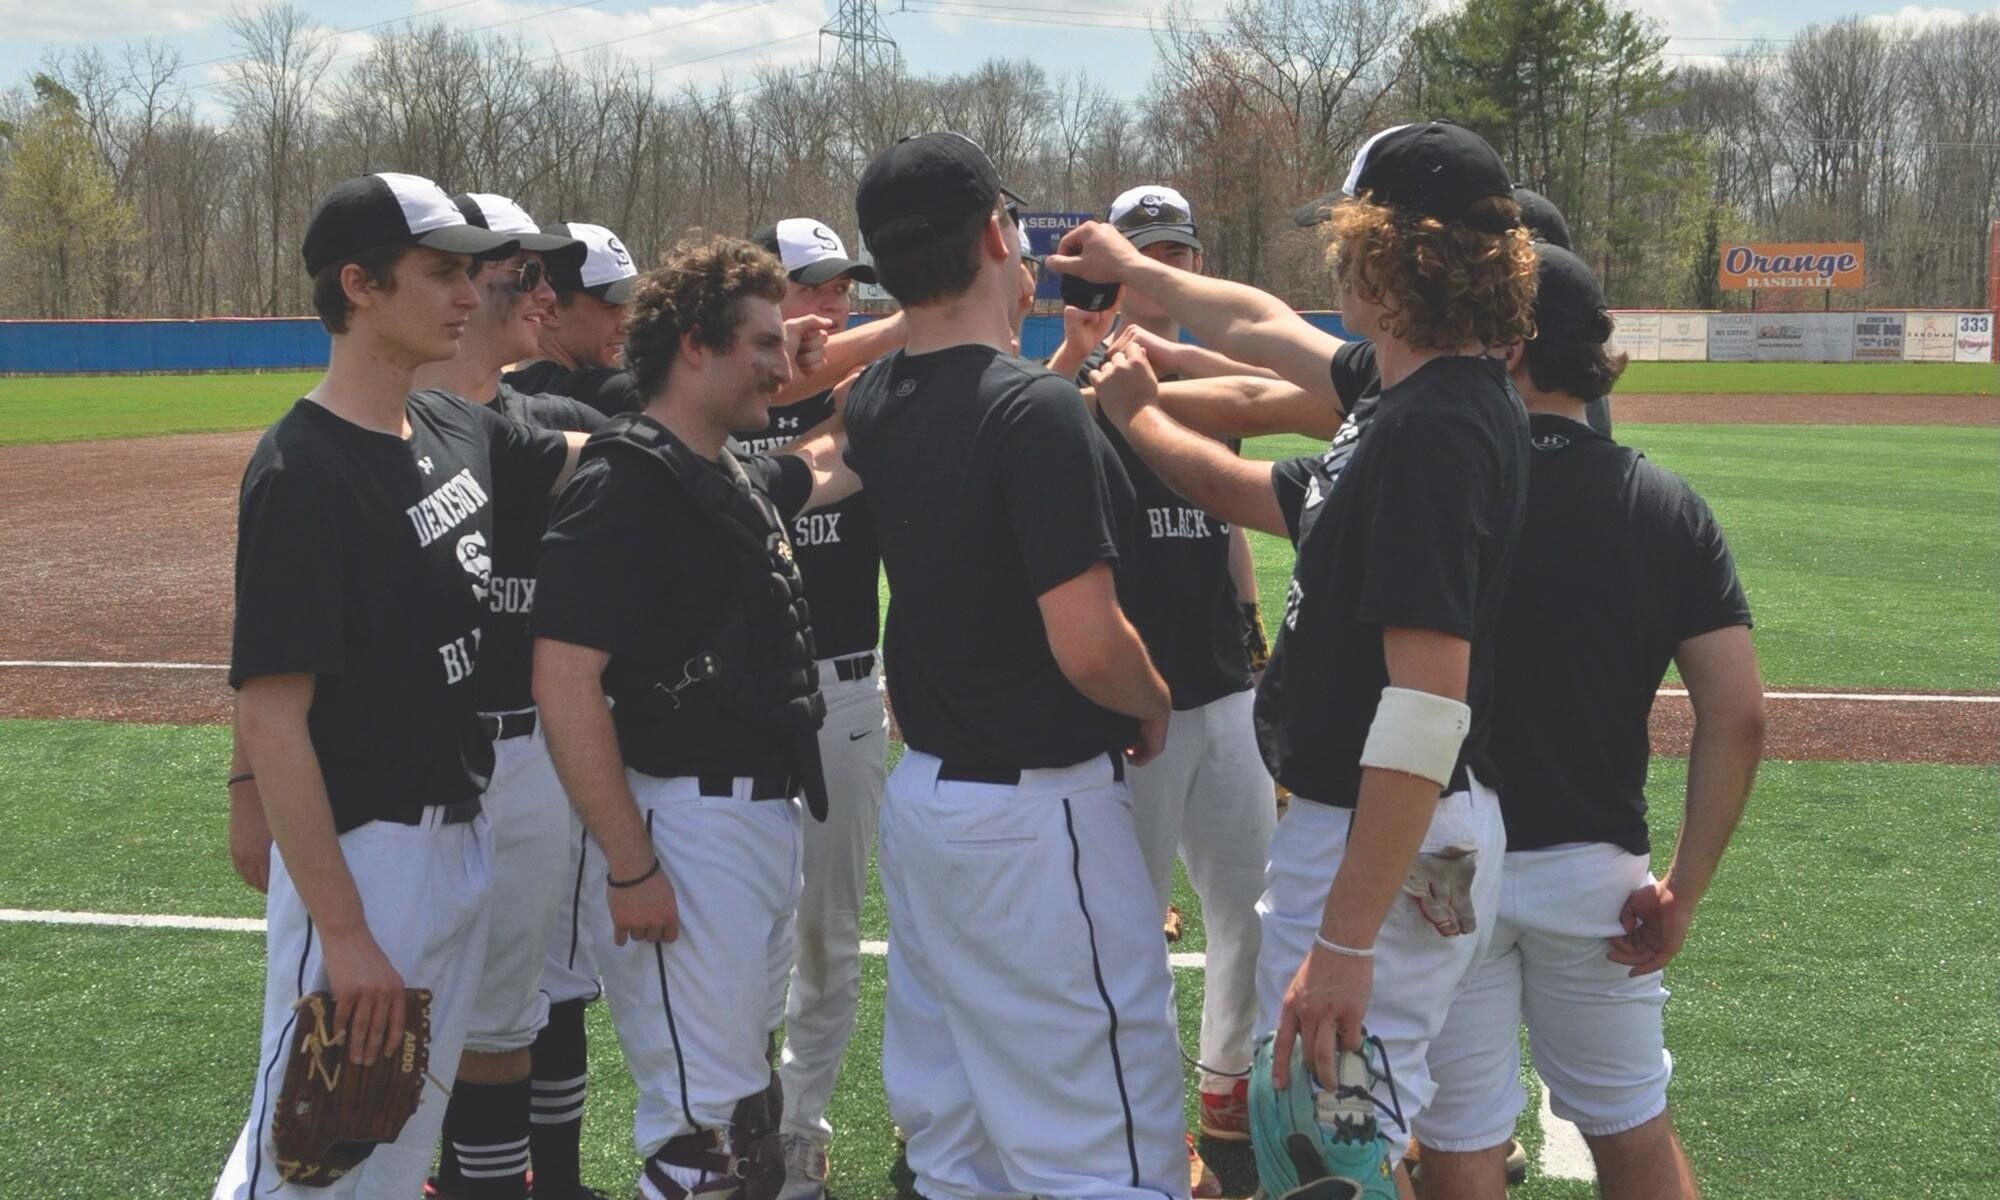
1837	982
61	408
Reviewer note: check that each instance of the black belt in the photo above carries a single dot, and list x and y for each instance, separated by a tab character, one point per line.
762	787
454	814
859	666
501	726
955	772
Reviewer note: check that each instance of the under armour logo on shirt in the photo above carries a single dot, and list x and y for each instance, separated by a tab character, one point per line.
424	464
788	422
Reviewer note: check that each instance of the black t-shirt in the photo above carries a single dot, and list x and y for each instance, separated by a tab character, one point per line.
1359	382
991	485
1619	563
518	523
1415	528
631	567
365	560
838	555
609	390
1175	584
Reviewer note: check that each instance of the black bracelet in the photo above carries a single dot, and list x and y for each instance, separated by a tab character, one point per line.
636	880
241	777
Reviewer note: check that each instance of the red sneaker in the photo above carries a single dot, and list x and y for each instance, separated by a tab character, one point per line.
1226	1115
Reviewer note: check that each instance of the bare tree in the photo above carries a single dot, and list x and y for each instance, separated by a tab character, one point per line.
270	90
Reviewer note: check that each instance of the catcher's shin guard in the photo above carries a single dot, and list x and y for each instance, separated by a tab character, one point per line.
1320	1144
744	1162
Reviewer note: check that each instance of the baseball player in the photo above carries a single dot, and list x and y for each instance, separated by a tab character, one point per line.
667	586
838	559
1375	708
582	340
485	1153
361	580
578	345
1207	796
1582	930
1028	1038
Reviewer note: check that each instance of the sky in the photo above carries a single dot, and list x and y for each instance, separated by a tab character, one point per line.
682	41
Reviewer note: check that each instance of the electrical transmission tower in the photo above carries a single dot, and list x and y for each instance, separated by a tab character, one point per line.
864	52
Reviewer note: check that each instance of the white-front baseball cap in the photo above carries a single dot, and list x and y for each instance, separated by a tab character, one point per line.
486	210
1154	213
606	271
811	252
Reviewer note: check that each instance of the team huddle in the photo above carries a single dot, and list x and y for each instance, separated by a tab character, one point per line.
556	653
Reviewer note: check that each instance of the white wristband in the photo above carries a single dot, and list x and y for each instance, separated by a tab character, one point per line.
1320	941
1417	733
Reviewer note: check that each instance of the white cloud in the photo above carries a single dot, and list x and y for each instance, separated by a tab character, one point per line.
659	35
39	20
1915	18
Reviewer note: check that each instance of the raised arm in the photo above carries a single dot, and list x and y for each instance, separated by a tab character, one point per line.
1231	318
1213	479
367	990
843	352
1241	406
1720	669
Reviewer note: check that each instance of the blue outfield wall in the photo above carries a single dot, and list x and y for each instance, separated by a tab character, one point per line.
112	347
262	344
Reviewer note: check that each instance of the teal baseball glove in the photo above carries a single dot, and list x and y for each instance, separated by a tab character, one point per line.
1321	1144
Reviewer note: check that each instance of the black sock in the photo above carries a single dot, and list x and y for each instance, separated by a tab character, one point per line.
561	1070
486	1142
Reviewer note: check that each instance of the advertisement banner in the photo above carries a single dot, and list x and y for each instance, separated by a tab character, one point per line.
1805	337
1975	338
1878	336
1683	337
1638	335
1929	336
1791	265
1732	337
1045	229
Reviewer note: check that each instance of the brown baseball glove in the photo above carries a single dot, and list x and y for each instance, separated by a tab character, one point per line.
331	1113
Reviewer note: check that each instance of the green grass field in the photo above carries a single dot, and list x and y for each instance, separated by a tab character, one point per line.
72	408
1832	1021
1839	984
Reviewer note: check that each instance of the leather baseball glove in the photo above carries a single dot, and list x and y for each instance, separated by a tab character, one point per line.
331	1113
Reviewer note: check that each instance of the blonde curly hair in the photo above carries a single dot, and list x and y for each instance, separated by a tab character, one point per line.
694	293
1441	284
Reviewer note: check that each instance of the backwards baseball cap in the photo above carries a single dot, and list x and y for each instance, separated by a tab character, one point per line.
930	183
1544	220
1435	169
390	209
1151	214
606	270
1569	303
812	253
502	215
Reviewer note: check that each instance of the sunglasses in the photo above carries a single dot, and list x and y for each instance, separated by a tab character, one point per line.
1142	215
528	276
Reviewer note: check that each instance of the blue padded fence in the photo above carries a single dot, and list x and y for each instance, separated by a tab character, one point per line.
111	347
273	343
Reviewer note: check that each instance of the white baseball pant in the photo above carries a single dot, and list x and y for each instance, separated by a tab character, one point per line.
1594	1030
531	818
694	1016
1028	1044
826	978
569	972
1208	797
1417	969
424	888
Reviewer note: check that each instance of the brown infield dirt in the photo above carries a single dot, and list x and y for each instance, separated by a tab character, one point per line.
122	551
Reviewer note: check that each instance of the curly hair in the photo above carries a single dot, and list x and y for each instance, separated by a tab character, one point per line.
1440	284
694	292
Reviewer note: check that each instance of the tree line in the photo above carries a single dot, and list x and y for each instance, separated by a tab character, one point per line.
121	195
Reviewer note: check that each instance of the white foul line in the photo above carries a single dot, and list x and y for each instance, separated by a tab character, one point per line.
1858	697
1565	1155
132	920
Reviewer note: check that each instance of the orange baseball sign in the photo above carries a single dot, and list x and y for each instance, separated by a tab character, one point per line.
1792	265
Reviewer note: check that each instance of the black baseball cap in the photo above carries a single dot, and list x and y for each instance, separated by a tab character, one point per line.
501	215
812	253
1569	302
925	185
1544	220
391	209
1435	169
